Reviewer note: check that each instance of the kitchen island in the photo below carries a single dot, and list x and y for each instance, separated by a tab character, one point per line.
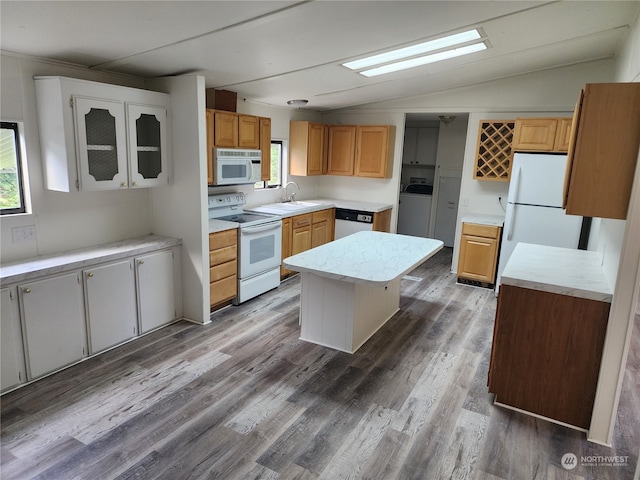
351	287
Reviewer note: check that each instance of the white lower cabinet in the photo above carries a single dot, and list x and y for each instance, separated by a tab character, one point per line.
156	299
11	352
53	323
110	298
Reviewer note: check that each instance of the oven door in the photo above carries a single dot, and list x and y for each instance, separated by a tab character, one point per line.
260	248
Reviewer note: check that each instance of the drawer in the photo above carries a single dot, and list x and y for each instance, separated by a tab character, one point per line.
322	215
223	239
224	270
301	221
223	255
223	290
486	231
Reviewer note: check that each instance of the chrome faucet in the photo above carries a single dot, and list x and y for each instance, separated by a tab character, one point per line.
293	195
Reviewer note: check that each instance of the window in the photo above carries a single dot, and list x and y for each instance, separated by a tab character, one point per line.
11	183
276	166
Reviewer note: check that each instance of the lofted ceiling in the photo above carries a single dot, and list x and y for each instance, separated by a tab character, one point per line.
273	51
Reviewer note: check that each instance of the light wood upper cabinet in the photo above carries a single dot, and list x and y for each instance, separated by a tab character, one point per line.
225	129
563	135
494	154
374	149
342	148
248	131
478	253
234	130
265	148
603	151
307	148
541	134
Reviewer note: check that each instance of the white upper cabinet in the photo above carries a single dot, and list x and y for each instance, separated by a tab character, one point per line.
96	136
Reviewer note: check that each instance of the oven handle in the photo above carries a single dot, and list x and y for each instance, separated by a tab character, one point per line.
260	228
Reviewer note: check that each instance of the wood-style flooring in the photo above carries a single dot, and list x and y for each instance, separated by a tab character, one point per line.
244	398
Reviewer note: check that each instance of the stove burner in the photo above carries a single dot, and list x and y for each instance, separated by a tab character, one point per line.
244	218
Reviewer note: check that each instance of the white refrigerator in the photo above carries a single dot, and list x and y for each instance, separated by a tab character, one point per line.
534	206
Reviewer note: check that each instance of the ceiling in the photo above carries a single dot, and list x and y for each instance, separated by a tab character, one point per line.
273	51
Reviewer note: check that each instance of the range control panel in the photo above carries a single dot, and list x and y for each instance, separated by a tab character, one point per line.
226	200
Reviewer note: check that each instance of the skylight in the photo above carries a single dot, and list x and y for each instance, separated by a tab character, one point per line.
387	62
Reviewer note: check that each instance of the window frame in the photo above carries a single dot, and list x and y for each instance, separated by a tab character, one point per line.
19	170
264	184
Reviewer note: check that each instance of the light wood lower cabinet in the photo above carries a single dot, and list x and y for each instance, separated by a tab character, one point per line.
223	266
110	295
382	221
478	253
303	232
546	352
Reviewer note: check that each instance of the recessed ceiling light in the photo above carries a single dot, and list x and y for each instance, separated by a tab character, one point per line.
413	50
418	61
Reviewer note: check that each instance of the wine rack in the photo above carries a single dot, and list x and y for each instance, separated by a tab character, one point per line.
494	155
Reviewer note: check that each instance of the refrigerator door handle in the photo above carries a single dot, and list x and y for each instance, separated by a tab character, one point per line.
515	179
509	220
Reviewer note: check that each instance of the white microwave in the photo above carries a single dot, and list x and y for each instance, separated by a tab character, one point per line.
233	166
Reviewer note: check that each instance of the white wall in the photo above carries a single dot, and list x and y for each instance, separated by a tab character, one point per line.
546	93
63	221
621	243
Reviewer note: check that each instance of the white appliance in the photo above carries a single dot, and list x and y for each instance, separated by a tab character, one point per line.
447	209
352	221
534	206
234	166
414	214
259	244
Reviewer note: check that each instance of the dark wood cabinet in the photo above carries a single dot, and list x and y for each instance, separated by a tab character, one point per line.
546	353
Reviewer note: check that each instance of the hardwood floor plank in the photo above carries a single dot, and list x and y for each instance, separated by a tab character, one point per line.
464	448
245	398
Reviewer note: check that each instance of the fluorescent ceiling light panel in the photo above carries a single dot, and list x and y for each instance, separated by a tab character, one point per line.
413	50
416	62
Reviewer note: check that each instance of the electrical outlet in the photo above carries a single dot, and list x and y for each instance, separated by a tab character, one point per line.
23	234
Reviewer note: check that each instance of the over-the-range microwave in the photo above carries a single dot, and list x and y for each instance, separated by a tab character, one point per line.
233	166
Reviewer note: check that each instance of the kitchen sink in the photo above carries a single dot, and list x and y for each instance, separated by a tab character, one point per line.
284	208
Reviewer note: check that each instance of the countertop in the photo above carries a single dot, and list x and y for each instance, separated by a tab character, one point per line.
373	258
481	219
35	267
322	204
566	271
216	225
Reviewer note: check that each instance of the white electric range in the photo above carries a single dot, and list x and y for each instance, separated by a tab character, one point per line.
259	244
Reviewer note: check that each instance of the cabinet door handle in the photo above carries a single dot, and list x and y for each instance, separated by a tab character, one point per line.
135	184
123	184
27	290
90	274
140	262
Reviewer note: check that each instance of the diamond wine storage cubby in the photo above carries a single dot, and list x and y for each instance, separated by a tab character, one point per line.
494	154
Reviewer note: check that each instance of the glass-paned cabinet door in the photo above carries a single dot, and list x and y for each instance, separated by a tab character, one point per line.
147	128
101	137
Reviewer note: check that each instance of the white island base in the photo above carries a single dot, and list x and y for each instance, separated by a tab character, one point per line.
344	315
351	286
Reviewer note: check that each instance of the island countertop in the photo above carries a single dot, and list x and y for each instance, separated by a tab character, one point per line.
565	271
368	257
